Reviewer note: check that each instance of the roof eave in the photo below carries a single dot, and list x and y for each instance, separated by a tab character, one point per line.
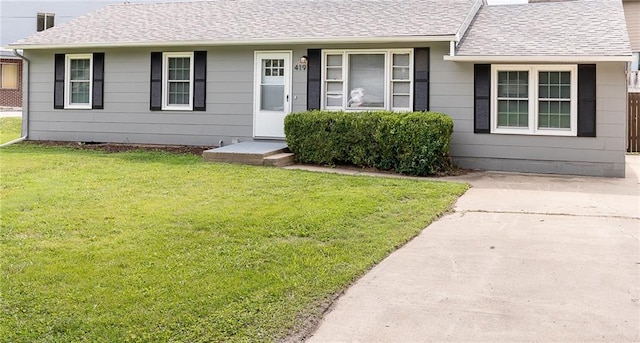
551	58
337	40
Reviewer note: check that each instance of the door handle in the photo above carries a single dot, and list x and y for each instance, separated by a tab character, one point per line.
287	97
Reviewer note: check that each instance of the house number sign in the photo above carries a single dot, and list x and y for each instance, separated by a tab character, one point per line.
300	67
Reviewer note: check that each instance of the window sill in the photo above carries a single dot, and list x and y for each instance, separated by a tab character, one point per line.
175	108
77	107
527	132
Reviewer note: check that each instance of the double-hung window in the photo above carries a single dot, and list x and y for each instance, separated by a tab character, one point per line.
367	80
78	85
534	99
178	81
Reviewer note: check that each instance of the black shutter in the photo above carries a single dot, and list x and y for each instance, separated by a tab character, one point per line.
200	81
314	78
98	81
482	98
155	101
58	86
586	100
421	79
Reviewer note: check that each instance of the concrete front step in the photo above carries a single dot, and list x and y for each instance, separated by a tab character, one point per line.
253	152
282	159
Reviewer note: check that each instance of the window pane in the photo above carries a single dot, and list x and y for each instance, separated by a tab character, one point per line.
40	22
272	97
334	74
543	91
503	119
334	60
401	60
502	77
334	94
565	121
272	72
513	84
334	87
9	74
49	21
80	69
401	73
178	93
543	78
401	88
366	80
513	113
179	68
554	114
79	92
401	101
554	85
334	100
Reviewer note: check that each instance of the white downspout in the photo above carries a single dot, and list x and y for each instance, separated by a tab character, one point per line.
25	100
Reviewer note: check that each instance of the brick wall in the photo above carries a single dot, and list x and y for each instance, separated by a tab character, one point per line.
12	97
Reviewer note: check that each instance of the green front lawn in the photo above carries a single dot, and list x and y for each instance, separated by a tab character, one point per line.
10	128
152	246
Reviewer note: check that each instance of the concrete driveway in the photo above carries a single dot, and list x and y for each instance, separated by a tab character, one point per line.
522	258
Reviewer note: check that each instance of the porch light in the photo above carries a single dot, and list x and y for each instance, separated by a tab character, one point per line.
304	60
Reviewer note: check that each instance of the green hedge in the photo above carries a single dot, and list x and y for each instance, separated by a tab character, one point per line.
415	143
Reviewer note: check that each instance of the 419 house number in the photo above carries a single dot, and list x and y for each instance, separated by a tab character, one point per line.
300	67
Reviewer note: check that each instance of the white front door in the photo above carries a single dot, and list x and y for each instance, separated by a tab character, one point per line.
272	93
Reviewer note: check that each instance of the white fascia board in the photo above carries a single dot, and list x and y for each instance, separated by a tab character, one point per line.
545	59
390	39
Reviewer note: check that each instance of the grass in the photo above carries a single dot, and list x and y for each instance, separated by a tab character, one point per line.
10	128
156	247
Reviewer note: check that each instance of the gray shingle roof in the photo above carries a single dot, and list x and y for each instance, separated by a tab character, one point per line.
570	28
257	20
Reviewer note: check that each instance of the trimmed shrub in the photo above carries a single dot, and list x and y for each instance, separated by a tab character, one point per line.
414	143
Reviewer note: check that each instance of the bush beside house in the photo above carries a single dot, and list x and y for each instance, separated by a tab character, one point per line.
414	143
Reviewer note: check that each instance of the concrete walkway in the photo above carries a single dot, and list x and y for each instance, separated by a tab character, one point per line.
522	258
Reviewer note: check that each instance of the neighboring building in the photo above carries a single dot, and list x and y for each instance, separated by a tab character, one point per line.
632	13
531	87
21	18
10	80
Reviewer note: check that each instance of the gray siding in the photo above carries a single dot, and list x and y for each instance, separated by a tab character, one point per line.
452	93
126	116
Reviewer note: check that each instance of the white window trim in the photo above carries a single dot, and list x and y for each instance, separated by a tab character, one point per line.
67	81
388	90
532	128
165	81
